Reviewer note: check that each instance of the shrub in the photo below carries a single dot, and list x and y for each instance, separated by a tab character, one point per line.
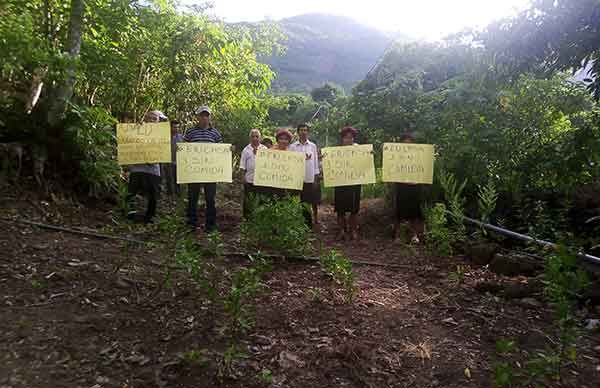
276	224
438	237
91	143
339	268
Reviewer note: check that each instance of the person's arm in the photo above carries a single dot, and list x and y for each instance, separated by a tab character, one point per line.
243	160
218	137
186	137
316	160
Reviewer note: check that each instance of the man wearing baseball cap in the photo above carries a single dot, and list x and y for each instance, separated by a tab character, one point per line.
202	132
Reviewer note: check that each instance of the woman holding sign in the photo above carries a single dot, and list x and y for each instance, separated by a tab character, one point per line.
408	202
347	198
248	165
283	138
144	178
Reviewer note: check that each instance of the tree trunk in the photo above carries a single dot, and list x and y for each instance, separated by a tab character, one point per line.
64	91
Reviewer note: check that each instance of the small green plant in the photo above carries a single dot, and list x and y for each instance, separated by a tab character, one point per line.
266	376
170	225
189	257
214	245
233	353
195	357
564	283
277	225
438	237
315	294
245	285
457	277
37	284
453	193
122	191
487	197
504	374
339	268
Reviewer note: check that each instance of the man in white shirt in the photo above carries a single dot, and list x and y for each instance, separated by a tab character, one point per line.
248	165
311	169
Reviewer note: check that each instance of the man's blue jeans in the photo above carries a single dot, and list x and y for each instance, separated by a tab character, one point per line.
210	191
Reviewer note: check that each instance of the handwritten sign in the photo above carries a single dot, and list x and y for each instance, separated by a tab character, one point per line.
408	163
203	162
281	169
348	165
143	143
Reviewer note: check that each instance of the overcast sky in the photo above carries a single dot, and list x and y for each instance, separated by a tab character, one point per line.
430	19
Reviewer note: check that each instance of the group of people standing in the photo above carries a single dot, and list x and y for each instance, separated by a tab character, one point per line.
145	178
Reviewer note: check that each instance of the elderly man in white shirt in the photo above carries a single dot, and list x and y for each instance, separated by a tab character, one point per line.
311	170
248	165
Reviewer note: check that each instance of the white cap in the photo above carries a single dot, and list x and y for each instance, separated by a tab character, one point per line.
203	108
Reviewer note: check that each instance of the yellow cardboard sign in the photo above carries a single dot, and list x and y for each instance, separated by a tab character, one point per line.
281	169
203	162
408	163
348	165
143	143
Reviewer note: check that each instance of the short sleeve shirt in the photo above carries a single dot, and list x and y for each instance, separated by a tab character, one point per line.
311	166
248	162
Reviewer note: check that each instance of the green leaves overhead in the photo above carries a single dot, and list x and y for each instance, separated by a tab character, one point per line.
139	55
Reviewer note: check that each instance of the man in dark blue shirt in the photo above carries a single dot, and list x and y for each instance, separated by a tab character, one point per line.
203	132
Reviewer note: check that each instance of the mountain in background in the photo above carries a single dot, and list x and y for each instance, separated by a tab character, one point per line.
325	48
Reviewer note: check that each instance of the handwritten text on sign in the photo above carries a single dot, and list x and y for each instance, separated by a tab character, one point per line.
203	163
348	165
281	169
408	163
143	143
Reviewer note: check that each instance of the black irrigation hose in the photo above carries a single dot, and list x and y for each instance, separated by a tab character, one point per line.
239	254
74	231
523	237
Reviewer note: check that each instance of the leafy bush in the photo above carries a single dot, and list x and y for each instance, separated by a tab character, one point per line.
276	224
91	142
487	197
453	193
438	237
339	268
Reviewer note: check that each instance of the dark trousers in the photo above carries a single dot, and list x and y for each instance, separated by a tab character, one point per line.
308	198
210	191
169	171
148	185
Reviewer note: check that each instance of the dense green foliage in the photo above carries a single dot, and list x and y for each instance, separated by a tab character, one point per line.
135	56
276	224
549	36
532	137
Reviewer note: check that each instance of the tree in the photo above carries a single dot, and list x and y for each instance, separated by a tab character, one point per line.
550	36
327	93
73	46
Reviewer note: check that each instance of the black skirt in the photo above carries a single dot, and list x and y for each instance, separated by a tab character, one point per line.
309	193
347	199
408	201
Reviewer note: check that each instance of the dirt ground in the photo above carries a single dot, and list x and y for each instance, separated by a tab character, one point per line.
85	312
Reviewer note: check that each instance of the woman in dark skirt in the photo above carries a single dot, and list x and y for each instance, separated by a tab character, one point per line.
347	198
408	202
